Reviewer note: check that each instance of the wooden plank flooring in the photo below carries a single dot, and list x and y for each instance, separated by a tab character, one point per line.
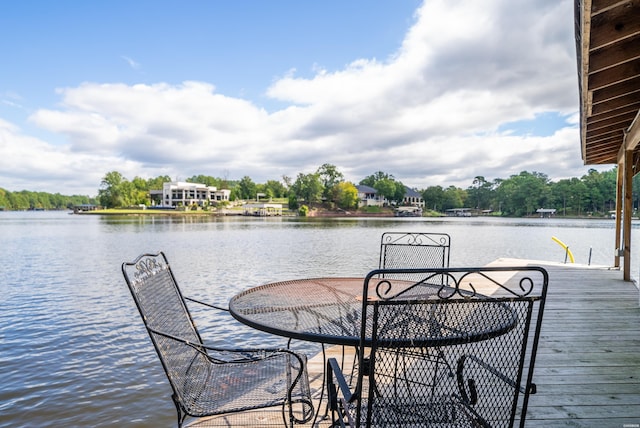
588	364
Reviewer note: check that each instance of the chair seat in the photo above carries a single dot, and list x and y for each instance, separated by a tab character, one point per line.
211	388
438	412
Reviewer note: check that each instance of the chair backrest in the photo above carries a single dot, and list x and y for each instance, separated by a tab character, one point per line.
458	342
167	319
414	250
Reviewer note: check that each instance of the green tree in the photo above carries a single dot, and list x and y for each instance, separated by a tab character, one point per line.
206	180
399	194
4	200
112	188
345	195
601	188
561	196
329	176
433	197
246	188
524	193
308	188
386	186
453	197
156	183
480	193
372	179
277	189
139	192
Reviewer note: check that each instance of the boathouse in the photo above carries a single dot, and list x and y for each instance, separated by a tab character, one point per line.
608	55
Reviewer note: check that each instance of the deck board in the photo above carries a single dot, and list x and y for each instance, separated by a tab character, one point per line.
588	362
588	365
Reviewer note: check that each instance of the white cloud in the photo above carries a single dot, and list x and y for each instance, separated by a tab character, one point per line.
428	114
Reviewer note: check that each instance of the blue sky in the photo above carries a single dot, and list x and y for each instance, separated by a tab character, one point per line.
434	92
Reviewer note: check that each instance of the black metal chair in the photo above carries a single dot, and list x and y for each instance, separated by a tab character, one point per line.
402	250
414	250
212	386
480	325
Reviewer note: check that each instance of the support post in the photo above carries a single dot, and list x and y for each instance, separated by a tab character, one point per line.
619	203
628	213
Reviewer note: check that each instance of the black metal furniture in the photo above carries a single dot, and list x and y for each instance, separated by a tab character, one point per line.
414	250
220	387
454	348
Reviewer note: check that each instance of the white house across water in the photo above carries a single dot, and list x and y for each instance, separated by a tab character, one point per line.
179	193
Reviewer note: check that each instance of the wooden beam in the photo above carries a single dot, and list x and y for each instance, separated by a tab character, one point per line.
583	33
619	195
614	75
616	54
627	214
614	24
625	104
632	134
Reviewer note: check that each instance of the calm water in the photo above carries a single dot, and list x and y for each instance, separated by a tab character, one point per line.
73	351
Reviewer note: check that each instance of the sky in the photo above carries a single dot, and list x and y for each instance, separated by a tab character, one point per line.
432	92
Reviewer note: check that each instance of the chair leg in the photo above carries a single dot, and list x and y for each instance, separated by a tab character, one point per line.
181	415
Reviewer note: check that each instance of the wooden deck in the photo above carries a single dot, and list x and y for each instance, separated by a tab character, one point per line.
588	364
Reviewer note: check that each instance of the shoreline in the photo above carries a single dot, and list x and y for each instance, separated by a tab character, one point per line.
312	214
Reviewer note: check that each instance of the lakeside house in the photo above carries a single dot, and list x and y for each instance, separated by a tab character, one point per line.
179	193
369	197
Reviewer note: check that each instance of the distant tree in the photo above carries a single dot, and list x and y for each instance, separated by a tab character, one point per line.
139	192
433	197
308	188
453	197
111	190
287	181
561	196
345	195
371	180
18	201
601	189
246	188
523	193
4	201
329	176
156	183
276	188
206	180
480	193
401	191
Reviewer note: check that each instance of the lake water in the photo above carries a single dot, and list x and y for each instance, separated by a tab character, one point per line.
73	351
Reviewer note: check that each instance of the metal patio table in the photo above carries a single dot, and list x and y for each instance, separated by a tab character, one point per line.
329	310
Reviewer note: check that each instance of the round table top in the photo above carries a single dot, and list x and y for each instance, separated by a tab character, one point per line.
329	310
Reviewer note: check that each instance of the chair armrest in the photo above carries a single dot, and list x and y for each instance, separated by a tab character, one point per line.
471	397
334	374
246	354
221	308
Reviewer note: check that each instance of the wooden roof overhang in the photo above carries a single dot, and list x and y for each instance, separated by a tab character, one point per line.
608	50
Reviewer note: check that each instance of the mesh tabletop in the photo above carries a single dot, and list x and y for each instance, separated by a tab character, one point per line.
329	310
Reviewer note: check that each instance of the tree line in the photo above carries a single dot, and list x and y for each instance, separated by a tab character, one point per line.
29	200
518	195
